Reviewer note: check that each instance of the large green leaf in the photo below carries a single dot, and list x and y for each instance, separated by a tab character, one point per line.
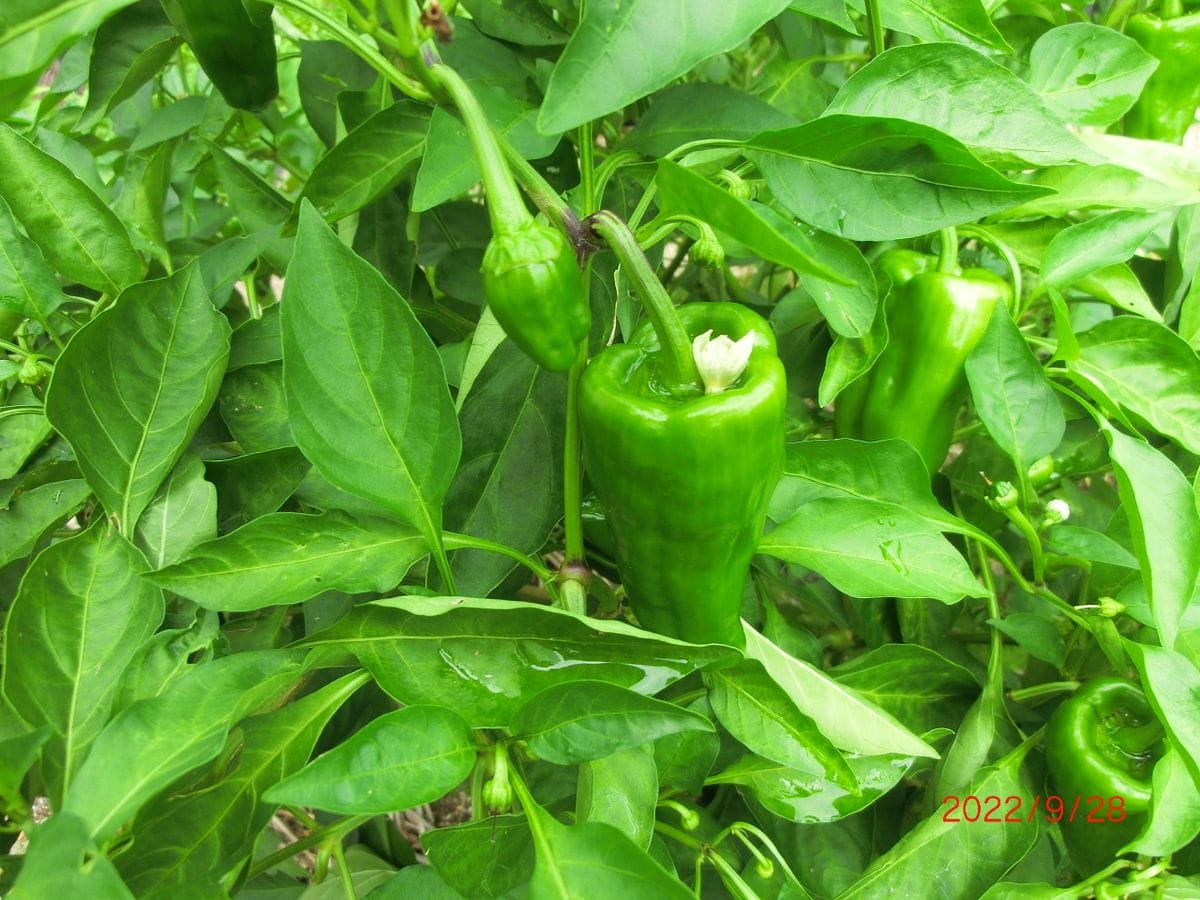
153	742
621	51
77	231
33	32
134	384
182	839
76	622
958	90
31	513
509	485
285	558
365	386
485	658
27	283
401	759
877	179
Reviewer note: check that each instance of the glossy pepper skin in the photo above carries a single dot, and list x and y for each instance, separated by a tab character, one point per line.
1103	741
534	287
234	42
1167	105
685	478
915	387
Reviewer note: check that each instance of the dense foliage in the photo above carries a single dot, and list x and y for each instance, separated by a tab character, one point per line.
313	587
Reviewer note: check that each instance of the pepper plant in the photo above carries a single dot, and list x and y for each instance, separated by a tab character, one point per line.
579	449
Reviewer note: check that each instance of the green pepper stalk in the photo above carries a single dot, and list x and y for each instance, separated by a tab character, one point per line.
530	273
1103	741
913	391
1167	106
686	473
234	43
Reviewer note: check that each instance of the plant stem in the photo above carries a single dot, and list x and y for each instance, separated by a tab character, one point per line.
337	829
875	27
452	540
541	192
339	856
677	348
1005	252
505	205
948	251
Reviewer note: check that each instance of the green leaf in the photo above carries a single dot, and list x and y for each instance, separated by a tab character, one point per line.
877	179
134	384
850	721
368	161
871	549
834	271
1103	241
182	514
761	715
485	658
76	230
1174	808
327	69
802	795
255	484
1012	395
368	399
1074	188
917	686
518	21
508	487
965	21
32	513
186	838
254	408
1164	525
33	32
622	791
129	49
27	283
1088	74
75	624
704	111
592	859
63	860
1149	370
621	52
153	742
981	853
484	859
400	759
963	93
578	721
449	167
285	558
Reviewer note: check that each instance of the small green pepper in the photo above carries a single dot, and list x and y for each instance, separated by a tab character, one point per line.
686	474
1167	106
916	386
531	277
234	42
1101	747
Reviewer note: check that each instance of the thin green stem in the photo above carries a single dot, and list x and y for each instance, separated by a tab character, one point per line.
354	42
677	348
337	829
606	170
339	856
947	250
875	27
681	837
540	191
1037	691
983	235
505	205
452	540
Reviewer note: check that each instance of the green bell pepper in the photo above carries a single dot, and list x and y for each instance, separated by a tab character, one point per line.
531	277
234	42
686	475
914	389
1167	106
1101	747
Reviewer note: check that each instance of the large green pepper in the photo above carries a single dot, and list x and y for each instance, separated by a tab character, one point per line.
234	41
531	277
916	386
686	475
1167	105
1101	747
